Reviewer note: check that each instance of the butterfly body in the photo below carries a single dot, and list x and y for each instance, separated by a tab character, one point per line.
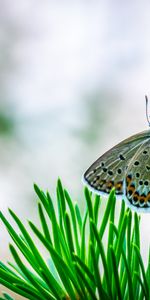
126	167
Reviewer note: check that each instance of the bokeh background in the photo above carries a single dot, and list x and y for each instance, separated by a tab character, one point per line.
73	75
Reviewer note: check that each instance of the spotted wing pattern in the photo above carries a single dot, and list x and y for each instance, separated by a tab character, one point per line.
110	169
138	178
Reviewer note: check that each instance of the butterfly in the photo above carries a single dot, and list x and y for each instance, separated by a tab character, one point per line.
125	167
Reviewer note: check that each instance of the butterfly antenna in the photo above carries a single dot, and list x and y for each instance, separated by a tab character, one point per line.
147	116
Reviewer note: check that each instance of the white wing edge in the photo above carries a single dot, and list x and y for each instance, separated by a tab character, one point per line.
119	197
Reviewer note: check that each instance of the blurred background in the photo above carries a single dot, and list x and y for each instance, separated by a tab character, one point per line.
73	75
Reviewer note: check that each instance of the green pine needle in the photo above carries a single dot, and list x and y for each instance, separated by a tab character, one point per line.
88	257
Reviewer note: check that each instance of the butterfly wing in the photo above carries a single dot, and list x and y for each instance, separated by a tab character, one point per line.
137	187
109	170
